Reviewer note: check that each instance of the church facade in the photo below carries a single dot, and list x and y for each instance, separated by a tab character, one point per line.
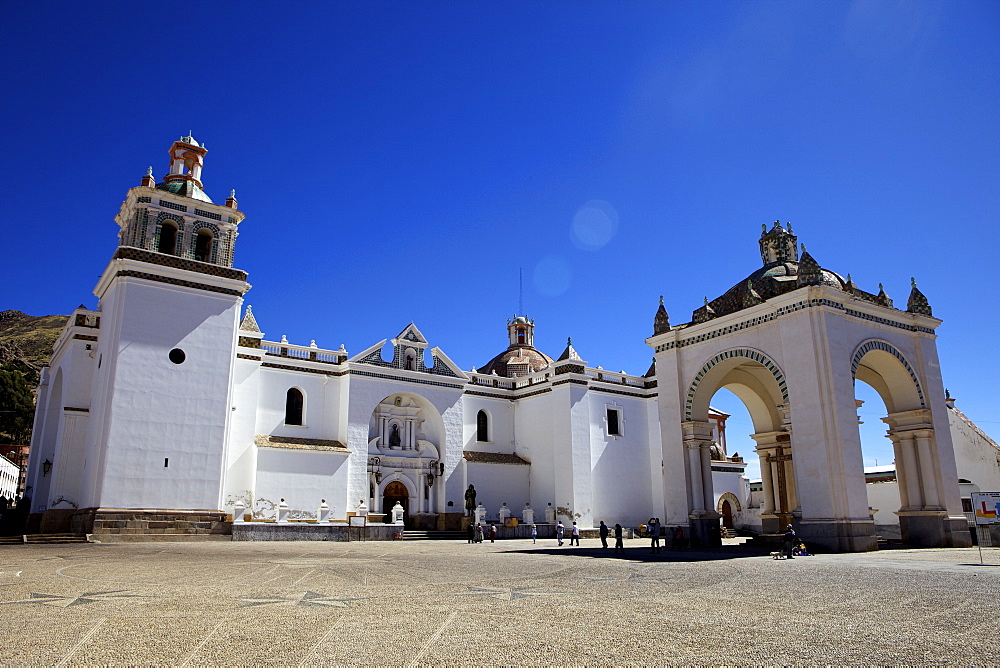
168	398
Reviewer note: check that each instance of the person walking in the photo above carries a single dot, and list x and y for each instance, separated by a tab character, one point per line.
559	532
678	539
574	535
618	539
493	533
534	534
790	540
604	535
654	534
472	532
479	533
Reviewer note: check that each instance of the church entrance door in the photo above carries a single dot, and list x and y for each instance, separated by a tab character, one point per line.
727	515
395	491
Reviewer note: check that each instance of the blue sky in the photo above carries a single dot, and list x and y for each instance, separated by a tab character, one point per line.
404	161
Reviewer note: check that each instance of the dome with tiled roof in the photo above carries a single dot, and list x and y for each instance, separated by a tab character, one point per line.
521	357
784	270
185	189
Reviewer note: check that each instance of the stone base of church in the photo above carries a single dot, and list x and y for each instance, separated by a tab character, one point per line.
149	522
838	535
705	532
928	528
272	531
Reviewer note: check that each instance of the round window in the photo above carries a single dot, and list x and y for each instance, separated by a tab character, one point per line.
177	356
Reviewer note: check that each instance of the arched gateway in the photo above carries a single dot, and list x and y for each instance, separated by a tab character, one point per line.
789	341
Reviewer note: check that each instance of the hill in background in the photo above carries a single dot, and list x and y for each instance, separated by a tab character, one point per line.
26	341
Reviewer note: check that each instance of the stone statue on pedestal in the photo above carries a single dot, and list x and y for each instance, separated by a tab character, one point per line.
470	500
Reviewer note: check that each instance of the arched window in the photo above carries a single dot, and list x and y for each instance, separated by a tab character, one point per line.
520	335
411	364
482	427
203	245
293	406
168	239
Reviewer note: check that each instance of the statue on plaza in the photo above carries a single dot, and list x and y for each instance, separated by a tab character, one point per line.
470	500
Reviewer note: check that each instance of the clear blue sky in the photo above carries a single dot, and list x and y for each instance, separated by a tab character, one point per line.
402	161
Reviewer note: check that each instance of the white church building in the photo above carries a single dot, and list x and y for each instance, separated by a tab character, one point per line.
167	400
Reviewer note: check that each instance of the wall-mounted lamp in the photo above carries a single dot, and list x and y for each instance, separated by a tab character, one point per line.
375	468
433	469
46	468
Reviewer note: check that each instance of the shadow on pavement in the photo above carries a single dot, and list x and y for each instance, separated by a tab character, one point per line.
644	555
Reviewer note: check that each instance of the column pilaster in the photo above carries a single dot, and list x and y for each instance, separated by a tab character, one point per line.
925	456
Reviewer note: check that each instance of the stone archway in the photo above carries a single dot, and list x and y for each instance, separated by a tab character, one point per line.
728	505
923	507
759	383
793	319
406	434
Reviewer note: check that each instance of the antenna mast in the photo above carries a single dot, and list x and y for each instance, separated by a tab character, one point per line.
520	292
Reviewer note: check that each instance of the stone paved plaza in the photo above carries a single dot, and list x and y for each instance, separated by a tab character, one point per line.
511	603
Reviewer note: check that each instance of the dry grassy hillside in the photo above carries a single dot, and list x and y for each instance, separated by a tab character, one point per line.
26	341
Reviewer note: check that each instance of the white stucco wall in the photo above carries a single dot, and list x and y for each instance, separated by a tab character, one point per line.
500	483
161	411
303	478
976	458
622	470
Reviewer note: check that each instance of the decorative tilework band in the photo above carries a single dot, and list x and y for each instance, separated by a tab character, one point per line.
784	310
132	253
177	281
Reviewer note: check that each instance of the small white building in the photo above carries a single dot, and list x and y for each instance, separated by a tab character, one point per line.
168	399
9	474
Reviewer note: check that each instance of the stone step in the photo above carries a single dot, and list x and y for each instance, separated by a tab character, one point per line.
11	540
159	537
434	535
55	538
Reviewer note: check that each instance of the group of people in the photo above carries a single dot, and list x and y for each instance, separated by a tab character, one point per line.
619	536
792	548
477	532
573	536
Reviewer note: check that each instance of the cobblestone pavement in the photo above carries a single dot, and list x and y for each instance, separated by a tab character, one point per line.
512	603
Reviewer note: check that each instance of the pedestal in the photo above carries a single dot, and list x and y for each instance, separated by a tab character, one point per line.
771	524
838	535
504	513
550	514
480	514
239	510
933	528
323	515
528	515
397	514
282	512
705	531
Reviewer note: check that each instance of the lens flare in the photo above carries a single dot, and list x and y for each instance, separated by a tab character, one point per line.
594	225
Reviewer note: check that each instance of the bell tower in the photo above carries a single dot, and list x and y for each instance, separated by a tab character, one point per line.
176	217
521	331
170	302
